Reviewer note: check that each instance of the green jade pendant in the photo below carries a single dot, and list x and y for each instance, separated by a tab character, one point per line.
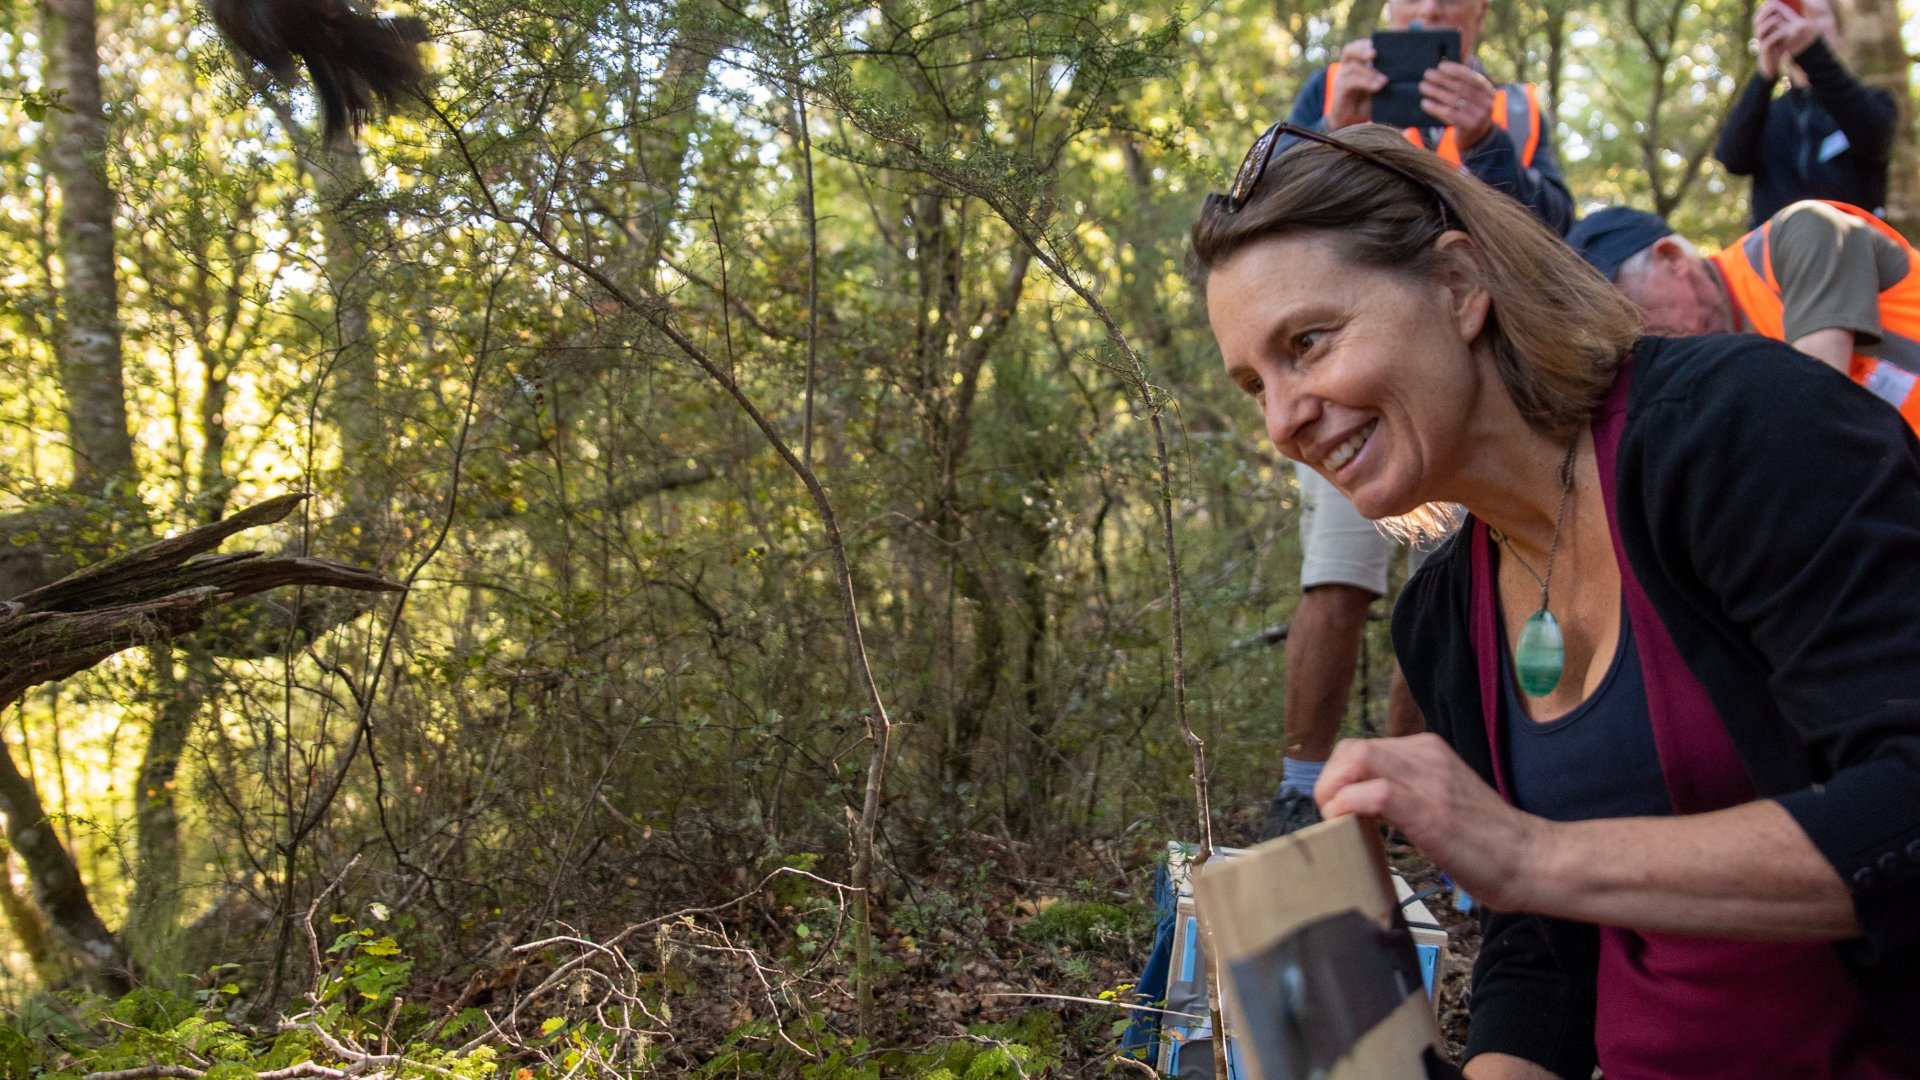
1540	654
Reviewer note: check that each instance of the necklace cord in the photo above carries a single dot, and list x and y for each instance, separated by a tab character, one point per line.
1559	519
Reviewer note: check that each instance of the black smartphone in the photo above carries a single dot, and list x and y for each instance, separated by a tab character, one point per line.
1404	56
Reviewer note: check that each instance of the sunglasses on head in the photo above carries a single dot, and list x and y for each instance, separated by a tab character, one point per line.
1254	166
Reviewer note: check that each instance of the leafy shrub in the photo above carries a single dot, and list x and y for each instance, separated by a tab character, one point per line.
1080	925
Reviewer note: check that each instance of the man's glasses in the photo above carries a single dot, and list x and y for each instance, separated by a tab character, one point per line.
1254	166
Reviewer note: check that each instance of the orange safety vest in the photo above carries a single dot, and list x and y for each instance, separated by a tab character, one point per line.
1511	102
1747	268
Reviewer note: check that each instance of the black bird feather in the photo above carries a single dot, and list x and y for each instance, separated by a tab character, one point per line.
354	59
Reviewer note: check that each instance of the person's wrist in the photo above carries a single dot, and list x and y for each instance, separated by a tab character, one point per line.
1480	146
1531	881
1497	1066
1811	48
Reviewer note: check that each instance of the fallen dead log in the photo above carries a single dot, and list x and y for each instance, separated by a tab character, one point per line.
150	594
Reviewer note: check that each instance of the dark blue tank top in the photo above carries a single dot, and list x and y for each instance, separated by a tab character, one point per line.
1598	761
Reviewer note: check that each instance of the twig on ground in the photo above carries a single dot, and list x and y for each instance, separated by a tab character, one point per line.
1097	1001
183	1072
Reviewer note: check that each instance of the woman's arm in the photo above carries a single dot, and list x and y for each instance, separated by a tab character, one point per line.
1747	872
1505	1067
1780	526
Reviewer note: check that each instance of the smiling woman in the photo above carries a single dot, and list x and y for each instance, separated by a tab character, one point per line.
1665	802
1325	359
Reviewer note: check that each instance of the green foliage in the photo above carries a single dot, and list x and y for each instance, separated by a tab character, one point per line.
152	1009
1082	925
1023	1048
37	103
371	969
947	914
151	1027
791	889
19	1056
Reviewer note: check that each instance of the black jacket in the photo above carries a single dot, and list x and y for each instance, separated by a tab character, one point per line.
1770	509
1781	142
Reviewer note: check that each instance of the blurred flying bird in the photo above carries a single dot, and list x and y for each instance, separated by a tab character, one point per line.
353	58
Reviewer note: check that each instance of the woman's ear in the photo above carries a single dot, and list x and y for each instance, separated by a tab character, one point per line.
1468	299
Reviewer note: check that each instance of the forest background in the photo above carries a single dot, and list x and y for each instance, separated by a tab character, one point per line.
820	506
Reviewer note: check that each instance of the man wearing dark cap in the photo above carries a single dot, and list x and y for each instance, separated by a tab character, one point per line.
1830	279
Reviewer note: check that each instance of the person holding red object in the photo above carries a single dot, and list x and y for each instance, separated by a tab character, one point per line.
1829	136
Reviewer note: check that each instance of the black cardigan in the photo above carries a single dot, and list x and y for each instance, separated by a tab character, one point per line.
1770	509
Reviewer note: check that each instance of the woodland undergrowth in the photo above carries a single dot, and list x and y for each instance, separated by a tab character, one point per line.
1003	961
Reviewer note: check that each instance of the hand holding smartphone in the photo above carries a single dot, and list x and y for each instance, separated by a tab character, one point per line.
1404	56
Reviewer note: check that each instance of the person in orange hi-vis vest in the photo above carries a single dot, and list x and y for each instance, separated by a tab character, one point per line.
1496	131
1830	279
1500	134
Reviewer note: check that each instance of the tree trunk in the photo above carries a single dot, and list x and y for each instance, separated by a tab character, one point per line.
57	885
1040	752
353	376
28	925
350	378
154	908
699	35
89	346
1877	54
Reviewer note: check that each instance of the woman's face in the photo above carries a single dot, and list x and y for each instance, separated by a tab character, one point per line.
1363	375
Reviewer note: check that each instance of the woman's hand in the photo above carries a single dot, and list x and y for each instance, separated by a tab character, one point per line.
1421	787
1460	96
1350	98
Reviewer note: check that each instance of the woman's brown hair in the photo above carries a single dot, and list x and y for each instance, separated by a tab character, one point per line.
1557	328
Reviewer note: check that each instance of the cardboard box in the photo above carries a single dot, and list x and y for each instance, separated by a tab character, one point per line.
1429	937
1321	973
